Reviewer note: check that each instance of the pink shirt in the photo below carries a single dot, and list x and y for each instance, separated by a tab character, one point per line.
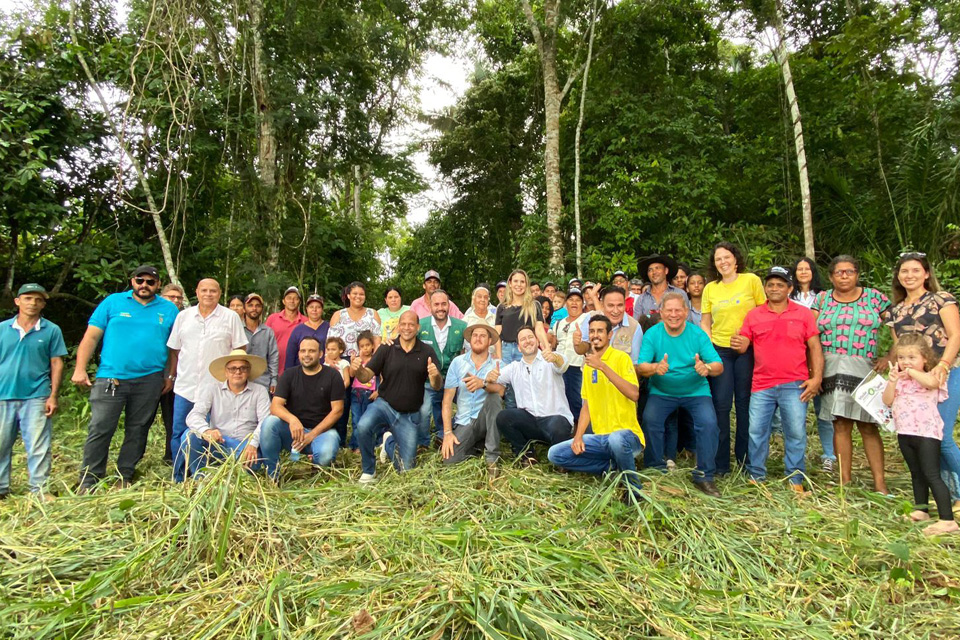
915	409
282	328
779	344
423	311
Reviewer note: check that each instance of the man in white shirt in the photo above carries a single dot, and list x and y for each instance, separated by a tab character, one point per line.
228	413
542	413
200	335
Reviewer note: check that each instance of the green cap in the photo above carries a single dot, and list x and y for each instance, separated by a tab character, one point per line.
32	287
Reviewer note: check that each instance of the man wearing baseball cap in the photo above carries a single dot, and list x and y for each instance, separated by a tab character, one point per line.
228	413
135	368
422	307
261	341
501	291
284	322
31	367
787	374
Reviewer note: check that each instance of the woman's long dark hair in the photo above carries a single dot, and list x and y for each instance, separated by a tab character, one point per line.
930	283
815	284
540	301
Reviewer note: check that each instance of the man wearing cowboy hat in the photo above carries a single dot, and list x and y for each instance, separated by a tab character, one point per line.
542	413
659	269
228	413
478	401
304	411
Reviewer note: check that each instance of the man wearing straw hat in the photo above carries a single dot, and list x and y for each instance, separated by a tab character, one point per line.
227	415
478	401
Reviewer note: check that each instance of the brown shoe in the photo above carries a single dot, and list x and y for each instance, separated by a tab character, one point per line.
799	490
708	488
493	471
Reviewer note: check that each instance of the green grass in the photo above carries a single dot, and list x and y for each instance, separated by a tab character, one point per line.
443	553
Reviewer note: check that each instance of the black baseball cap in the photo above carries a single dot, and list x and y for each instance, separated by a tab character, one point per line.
575	292
146	270
779	272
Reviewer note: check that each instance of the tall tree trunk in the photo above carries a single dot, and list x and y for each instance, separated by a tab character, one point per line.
12	259
125	149
546	41
576	146
783	59
267	140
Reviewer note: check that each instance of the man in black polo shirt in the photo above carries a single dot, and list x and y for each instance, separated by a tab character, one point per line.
404	367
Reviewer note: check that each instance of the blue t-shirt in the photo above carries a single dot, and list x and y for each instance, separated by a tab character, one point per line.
469	403
25	363
134	335
681	380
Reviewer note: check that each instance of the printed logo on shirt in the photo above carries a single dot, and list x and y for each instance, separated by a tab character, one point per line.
160	318
125	314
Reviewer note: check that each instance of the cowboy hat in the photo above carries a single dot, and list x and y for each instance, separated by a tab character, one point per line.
258	365
494	336
666	261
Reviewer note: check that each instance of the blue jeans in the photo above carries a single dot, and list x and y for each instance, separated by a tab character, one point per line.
793	418
949	453
405	427
700	409
729	388
36	429
510	352
618	449
572	386
275	437
432	405
203	454
359	401
180	442
825	432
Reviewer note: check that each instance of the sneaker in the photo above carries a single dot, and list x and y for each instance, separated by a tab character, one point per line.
384	458
493	471
671	465
827	465
367	478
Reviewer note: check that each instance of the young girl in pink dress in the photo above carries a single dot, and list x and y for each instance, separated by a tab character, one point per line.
913	394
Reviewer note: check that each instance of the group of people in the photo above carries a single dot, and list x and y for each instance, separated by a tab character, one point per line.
600	375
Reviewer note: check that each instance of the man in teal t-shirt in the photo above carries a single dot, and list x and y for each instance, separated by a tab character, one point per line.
677	357
31	366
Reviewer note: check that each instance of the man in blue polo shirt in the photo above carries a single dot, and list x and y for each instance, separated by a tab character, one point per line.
135	368
31	366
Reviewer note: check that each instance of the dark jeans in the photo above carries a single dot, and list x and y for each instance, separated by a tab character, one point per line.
923	459
572	385
166	415
405	428
732	386
137	400
359	401
432	406
700	409
521	428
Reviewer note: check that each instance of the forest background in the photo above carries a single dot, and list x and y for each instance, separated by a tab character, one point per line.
262	143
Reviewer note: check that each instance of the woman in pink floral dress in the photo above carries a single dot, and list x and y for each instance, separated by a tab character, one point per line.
849	317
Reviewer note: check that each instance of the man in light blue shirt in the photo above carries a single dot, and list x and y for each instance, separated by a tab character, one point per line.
478	401
31	366
135	368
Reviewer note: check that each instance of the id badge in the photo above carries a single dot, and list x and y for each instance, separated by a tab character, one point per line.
594	376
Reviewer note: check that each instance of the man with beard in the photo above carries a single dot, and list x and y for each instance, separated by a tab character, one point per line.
676	358
261	341
304	411
445	335
610	392
404	367
200	335
135	368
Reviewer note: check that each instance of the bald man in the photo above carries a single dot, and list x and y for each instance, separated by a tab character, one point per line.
200	335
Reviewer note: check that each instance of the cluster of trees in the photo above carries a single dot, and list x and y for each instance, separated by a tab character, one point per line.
686	135
257	141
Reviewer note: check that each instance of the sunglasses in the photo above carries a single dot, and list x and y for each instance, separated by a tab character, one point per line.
148	281
237	369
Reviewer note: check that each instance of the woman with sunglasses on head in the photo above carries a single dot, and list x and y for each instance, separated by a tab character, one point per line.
848	317
919	306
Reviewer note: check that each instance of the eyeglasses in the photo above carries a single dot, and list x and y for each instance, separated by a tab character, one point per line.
845	272
912	254
148	281
238	369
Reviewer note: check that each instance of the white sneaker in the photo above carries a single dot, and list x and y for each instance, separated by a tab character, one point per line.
671	465
383	448
367	478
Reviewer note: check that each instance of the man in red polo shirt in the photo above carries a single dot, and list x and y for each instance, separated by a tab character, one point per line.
787	373
284	322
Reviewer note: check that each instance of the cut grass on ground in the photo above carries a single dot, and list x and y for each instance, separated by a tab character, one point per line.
444	553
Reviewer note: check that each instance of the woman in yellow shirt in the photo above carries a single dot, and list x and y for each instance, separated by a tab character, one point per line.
727	298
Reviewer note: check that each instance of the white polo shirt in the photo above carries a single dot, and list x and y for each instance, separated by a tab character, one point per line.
200	341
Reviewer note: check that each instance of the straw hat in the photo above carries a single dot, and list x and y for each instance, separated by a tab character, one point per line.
494	336
258	365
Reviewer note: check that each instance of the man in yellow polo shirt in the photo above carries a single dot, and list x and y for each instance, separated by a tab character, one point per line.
610	391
